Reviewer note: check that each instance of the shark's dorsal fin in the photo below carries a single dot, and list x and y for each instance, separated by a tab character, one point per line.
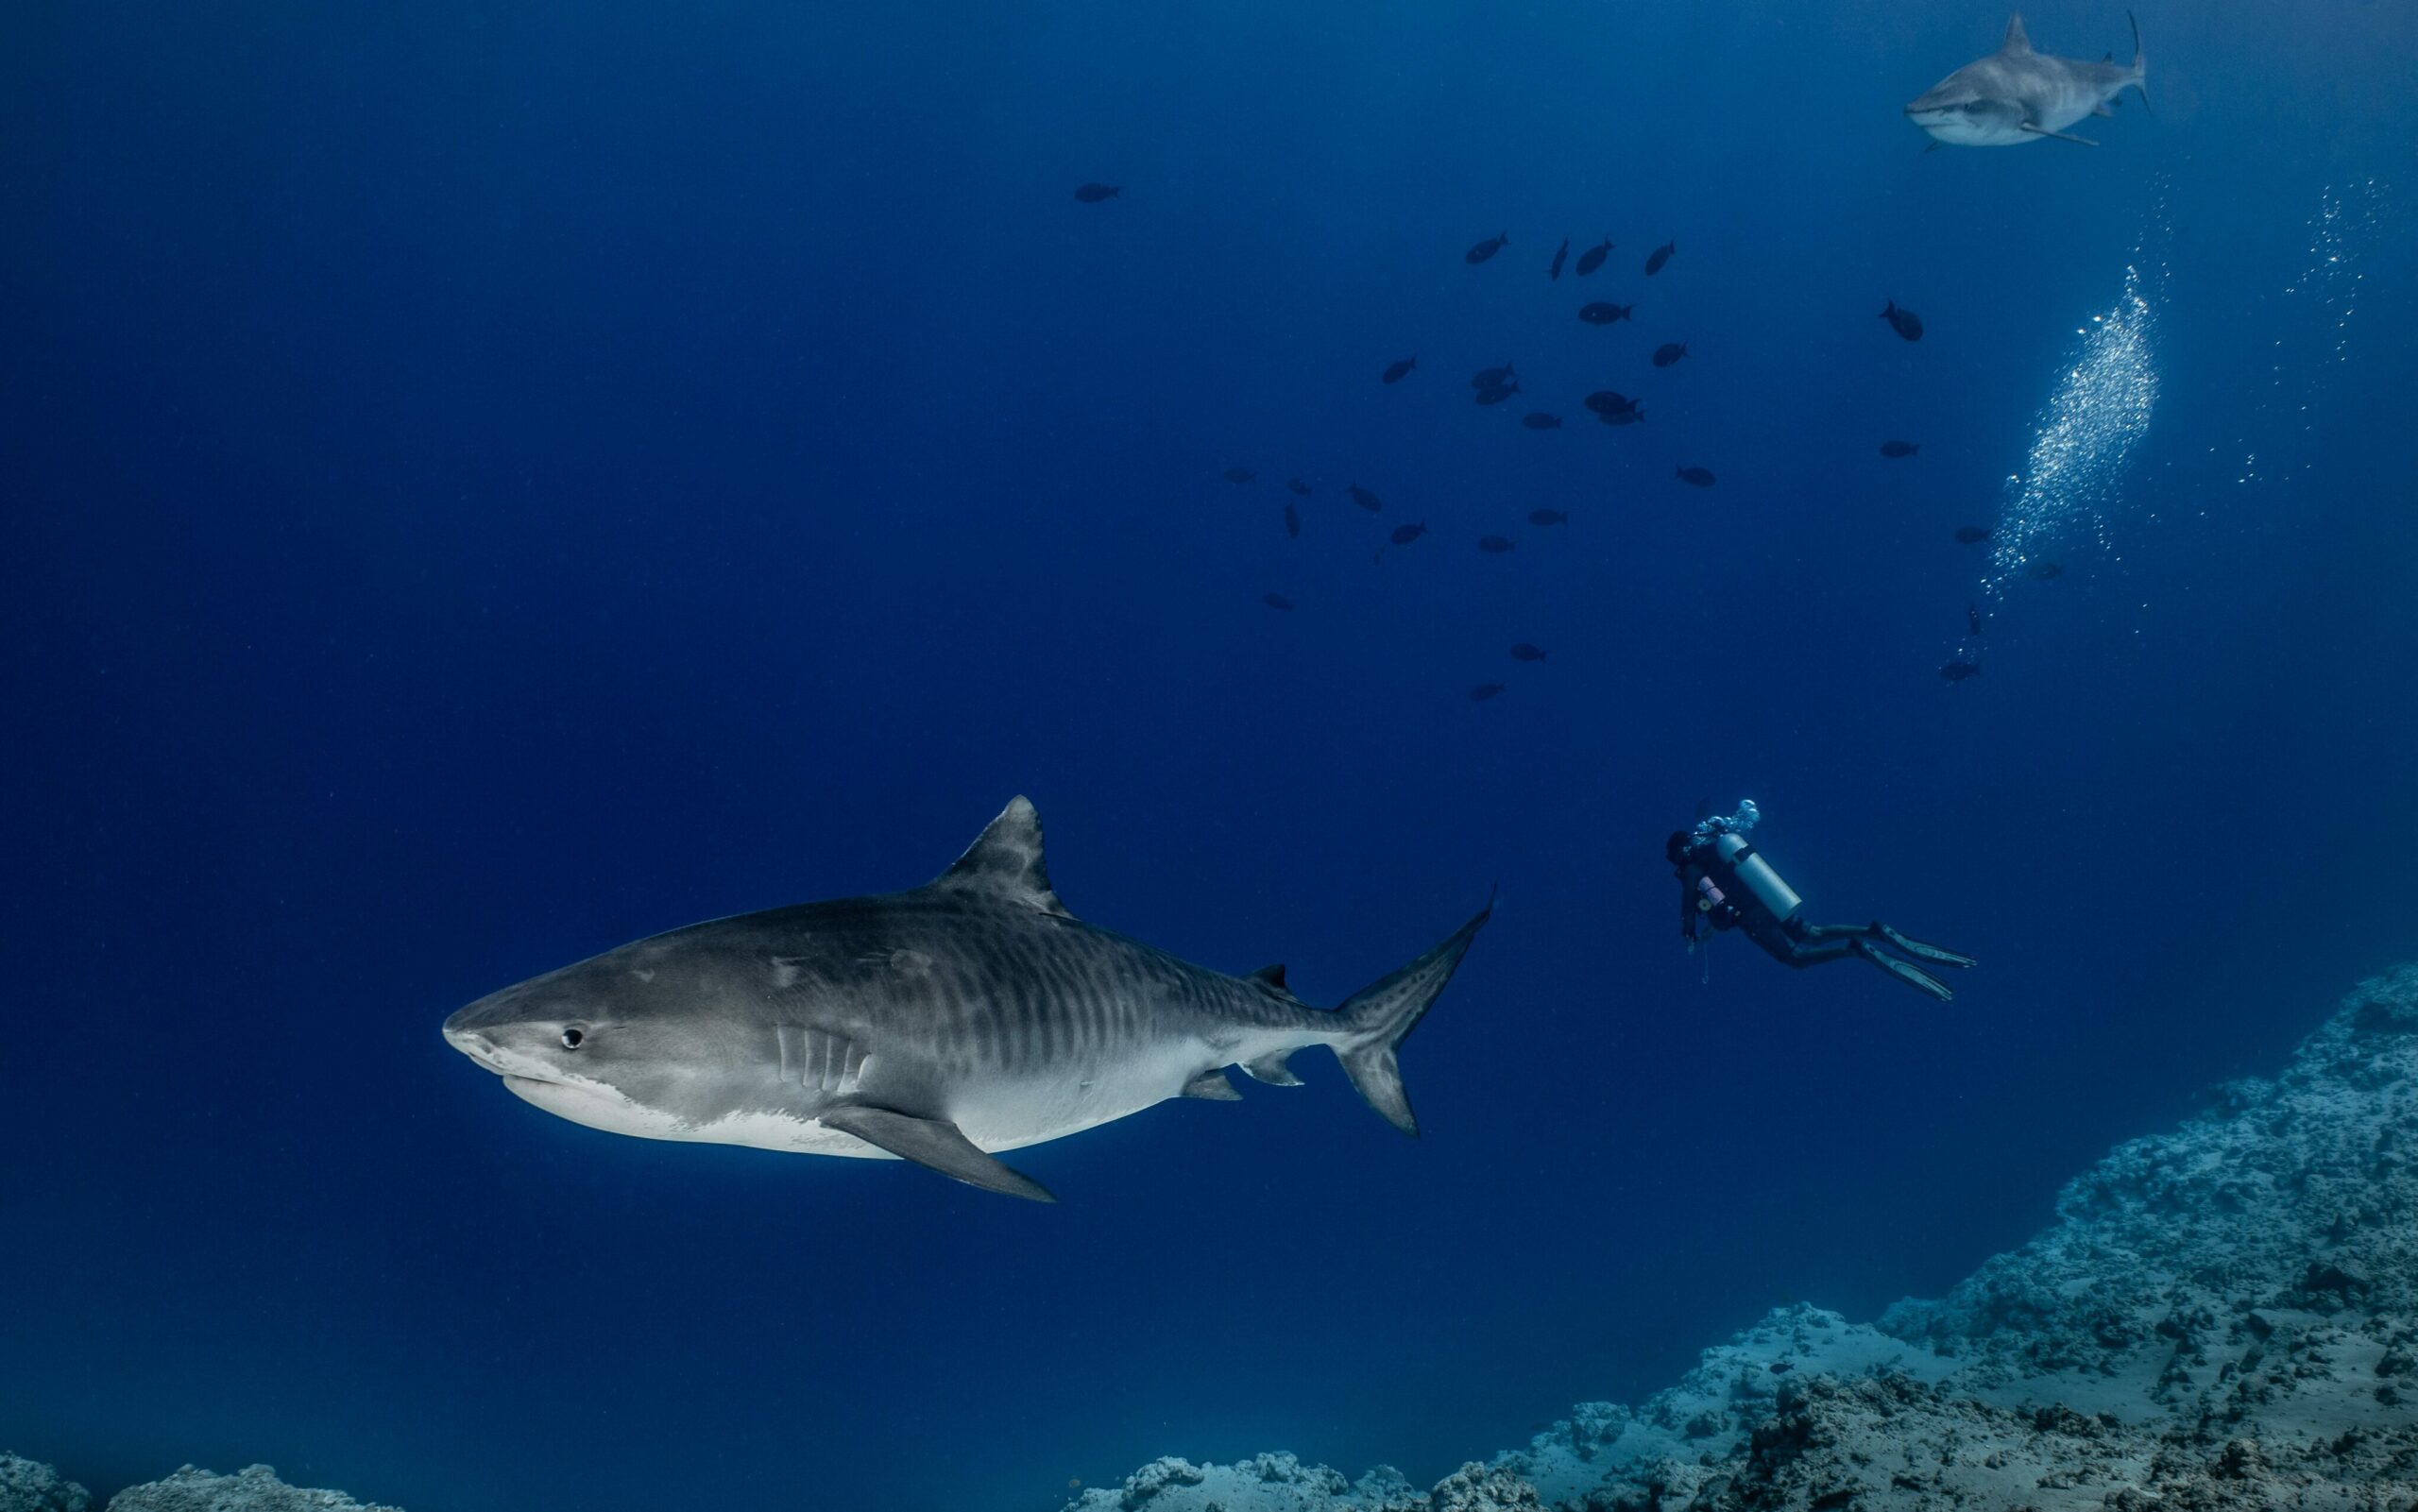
1270	976
2015	40
1005	862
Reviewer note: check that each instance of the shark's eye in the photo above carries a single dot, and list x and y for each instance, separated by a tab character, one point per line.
572	1039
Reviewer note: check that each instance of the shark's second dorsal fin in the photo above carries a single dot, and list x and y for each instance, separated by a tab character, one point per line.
1270	976
1005	862
2015	40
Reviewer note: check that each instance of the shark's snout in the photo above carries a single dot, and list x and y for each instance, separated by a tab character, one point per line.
471	1042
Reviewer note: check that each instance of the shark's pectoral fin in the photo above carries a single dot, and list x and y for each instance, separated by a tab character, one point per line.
2062	136
1213	1085
2102	108
1272	1069
935	1142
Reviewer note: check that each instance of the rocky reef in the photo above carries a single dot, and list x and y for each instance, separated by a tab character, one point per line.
2225	1316
25	1486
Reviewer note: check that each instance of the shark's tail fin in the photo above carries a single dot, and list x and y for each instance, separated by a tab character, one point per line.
1381	1015
2140	67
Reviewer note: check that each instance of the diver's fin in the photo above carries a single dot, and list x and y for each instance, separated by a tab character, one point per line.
935	1142
1382	1014
1905	971
1272	1069
2062	136
1213	1085
1918	949
1004	861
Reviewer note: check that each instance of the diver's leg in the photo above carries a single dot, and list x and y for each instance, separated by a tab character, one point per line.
1918	949
1801	951
1905	971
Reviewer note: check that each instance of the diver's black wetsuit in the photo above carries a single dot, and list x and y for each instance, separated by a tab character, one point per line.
1712	896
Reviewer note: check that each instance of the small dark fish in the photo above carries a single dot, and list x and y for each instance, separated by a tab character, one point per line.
1396	371
1905	322
1614	409
1240	475
1593	257
1660	255
1292	522
1669	352
1972	620
1492	377
1486	249
1277	601
1365	499
1495	543
1497	394
1547	517
1405	534
1972	534
1540	421
2043	571
1700	477
1783	1367
1093	194
1523	652
1959	669
1603	312
1899	449
1484	691
1555	271
1297	487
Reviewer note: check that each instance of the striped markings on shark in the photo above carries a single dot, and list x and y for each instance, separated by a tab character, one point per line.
2016	95
941	1024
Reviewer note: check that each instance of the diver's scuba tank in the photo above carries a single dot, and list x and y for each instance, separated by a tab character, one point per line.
1756	876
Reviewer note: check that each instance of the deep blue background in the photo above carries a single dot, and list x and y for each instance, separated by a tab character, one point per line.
486	481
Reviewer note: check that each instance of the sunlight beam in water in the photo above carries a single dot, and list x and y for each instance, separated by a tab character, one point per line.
2099	412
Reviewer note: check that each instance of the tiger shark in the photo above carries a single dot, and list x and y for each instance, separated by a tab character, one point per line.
2016	95
942	1025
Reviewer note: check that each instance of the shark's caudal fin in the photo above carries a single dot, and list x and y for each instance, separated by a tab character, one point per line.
2140	67
1382	1014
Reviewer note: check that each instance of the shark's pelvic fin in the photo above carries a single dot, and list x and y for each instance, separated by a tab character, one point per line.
2101	109
935	1142
2062	136
1213	1085
1272	1069
2015	40
1005	861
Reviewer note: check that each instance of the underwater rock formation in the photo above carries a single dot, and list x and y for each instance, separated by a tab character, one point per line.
25	1486
2222	1316
255	1488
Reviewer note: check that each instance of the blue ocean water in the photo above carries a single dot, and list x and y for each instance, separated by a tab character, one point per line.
490	482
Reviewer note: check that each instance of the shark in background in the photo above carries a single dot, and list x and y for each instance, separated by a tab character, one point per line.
940	1025
2016	95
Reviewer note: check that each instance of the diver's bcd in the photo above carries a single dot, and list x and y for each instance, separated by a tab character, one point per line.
1756	876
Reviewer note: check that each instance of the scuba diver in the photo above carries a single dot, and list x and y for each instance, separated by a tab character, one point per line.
1725	884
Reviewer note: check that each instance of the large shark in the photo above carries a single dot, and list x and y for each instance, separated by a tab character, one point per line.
970	1015
2016	95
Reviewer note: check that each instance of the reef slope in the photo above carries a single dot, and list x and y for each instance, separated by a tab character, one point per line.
2225	1316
